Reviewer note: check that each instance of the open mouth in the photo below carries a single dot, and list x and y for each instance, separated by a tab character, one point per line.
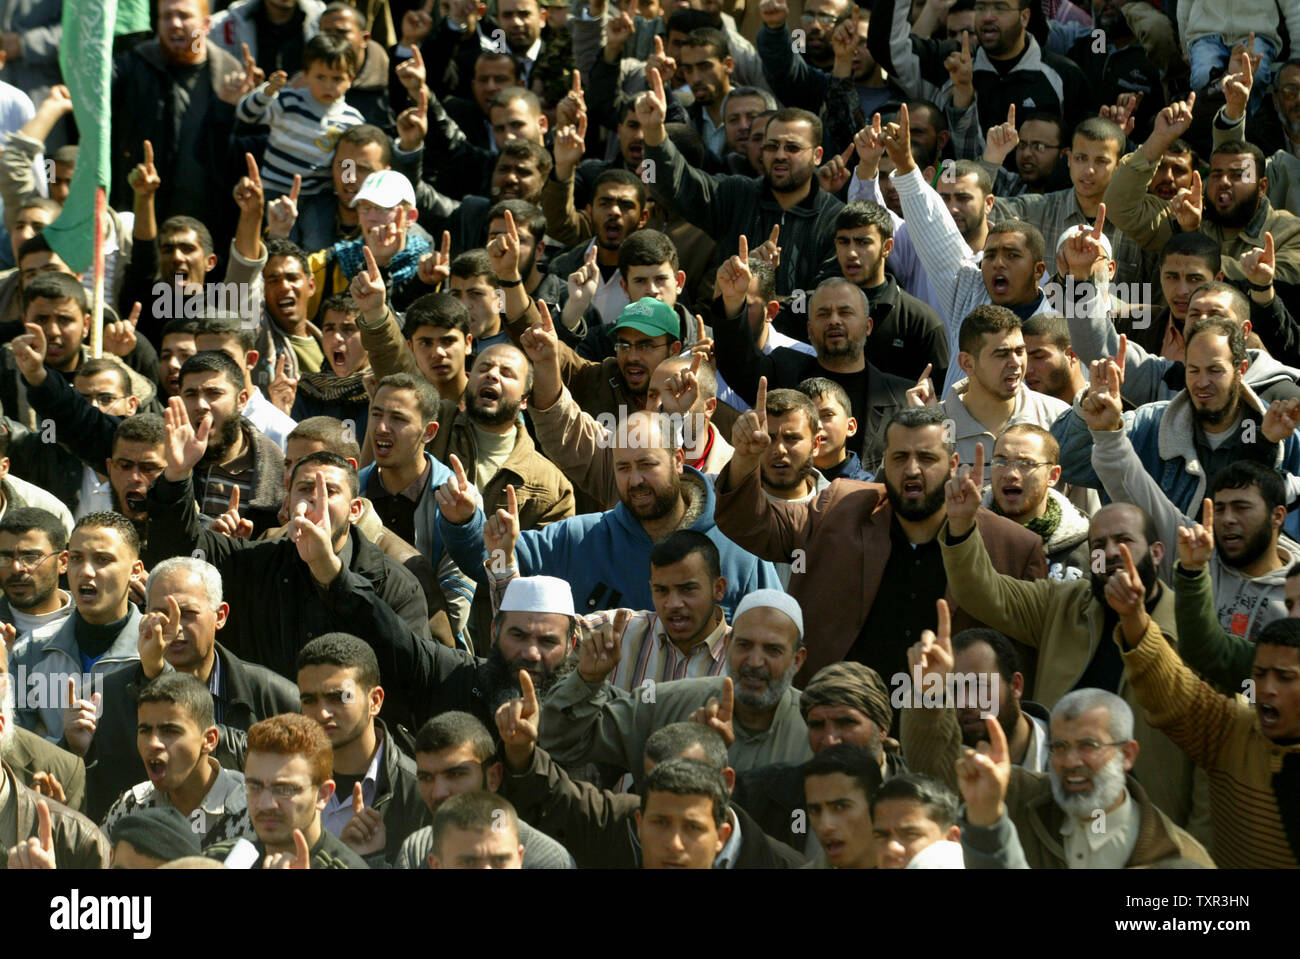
834	848
1077	784
87	594
613	230
383	448
135	502
913	489
1269	717
678	623
286	303
635	374
339	358
1012	494
1001	285
489	394
157	769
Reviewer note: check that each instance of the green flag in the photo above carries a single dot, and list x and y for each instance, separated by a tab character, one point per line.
132	17
86	59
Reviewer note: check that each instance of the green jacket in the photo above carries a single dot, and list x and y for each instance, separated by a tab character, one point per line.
1223	659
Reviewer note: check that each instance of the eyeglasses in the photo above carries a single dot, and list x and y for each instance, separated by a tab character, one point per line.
1088	749
641	348
1038	146
100	400
280	791
1023	466
146	469
28	561
790	149
825	19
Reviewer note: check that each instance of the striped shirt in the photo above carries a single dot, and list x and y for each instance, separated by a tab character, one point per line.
648	653
304	132
222	815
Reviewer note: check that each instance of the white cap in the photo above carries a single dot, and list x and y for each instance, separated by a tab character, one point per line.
1075	231
943	854
538	594
772	599
386	188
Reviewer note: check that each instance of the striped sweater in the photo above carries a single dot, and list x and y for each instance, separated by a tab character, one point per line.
1222	735
304	132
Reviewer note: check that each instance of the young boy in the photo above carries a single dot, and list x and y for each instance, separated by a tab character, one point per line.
475	285
339	389
837	425
306	122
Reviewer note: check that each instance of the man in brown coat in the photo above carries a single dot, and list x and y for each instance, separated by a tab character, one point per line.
859	541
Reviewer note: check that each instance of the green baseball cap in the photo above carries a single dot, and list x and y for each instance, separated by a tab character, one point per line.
651	317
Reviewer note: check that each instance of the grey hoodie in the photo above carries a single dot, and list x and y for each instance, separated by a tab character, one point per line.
1067	548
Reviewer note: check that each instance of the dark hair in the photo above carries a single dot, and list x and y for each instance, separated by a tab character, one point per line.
680	544
819	387
364	134
1004	651
276	246
498	55
1243	474
454	728
646	248
528	216
426	398
344	651
688	777
509	95
329	431
179	224
332	51
1047	116
671	741
54	286
765	274
919	417
438	310
1280	632
326	458
781	402
228	326
856	762
715	41
115	521
1218	326
862	213
1240	147
213	361
797	115
338	6
1195	244
687	21
183	690
473	263
965	168
938	801
937	118
1149	531
182	325
1240	305
621	178
24	519
102	364
1033	238
1102	130
340	302
475	811
985	320
1054	327
141	428
528	150
1051	446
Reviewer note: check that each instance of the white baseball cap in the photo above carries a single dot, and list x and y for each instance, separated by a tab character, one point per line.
538	594
386	188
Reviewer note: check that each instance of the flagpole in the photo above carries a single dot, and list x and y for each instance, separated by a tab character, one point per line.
97	303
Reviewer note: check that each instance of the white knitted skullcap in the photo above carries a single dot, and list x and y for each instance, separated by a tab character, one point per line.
772	599
538	594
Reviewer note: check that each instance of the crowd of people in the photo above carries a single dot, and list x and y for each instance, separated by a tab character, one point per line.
548	435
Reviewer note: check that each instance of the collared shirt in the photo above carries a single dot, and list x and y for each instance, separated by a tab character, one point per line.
731	851
96	496
1037	756
527	61
1105	842
338	811
397	510
221	814
713	134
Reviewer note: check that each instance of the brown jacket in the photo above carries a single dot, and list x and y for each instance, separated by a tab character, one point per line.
78	843
844	536
27	753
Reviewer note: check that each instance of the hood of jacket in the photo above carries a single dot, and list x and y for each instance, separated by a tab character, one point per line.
268	469
699	515
1070	532
1245	604
1176	433
219	61
1265	371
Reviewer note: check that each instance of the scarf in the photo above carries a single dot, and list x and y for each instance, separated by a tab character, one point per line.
1045	525
400	270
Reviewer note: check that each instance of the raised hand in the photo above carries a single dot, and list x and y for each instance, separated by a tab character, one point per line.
734	276
368	290
682	389
501	531
300	858
503	251
38	851
9	635
1083	252
517	722
1173	121
659	62
983	776
119	336
276	83
1196	542
144	178
844	38
248	191
933	653
80	719
583	283
311	529
834	173
769	251
617	31
1002	138
1240	80
29	353
898	142
962	495
774	13
230	523
282	213
58	101
365	833
1259	265
47	784
960	65
435	267
411	73
456	497
157	631
573	105
185	445
1102	407
1123	110
283	388
413	123
870	144
749	435
652	106
717	712
1127	596
1280	420
1187	206
922	394
600	644
416	25
570	145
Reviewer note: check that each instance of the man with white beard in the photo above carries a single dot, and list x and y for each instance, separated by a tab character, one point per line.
1101	815
754	705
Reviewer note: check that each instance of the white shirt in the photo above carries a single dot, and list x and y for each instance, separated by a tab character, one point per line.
96	496
1105	842
269	418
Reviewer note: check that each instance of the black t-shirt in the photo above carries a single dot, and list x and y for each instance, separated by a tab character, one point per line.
279	45
855	384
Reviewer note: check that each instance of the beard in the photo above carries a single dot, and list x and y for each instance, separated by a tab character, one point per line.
1146	567
915	512
776	688
502	678
798	478
1212	416
850	348
1055	381
1107	786
1236	216
1254	545
662	504
505	412
220	441
37	597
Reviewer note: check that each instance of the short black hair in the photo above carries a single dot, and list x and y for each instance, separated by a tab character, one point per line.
856	762
987	319
54	285
819	387
1054	327
1195	244
276	246
106	519
180	325
862	213
646	247
622	178
441	311
179	224
1219	326
527	216
141	428
332	51
228	326
938	801
426	398
686	20
1243	474
473	263
798	115
715	41
454	728
326	458
25	519
1004	651
688	777
1027	231
344	651
671	741
364	134
519	149
679	544
213	361
103	364
1240	147
1280	632
183	690
329	431
920	417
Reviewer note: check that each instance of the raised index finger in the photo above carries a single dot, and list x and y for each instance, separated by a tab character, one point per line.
775	237
742	248
659	46
965	43
1101	221
458	469
512	501
233	504
760	400
173	614
1129	566
925	374
43	828
1268	247
1121	354
372	268
998	751
944	623
577	82
977	471
528	692
297	185
1207	514
511	230
728	699
148	153
253	173
1011	115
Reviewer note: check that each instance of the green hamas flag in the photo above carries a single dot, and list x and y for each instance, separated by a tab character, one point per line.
86	59
132	17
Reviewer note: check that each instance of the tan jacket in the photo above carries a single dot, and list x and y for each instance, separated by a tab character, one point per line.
78	843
